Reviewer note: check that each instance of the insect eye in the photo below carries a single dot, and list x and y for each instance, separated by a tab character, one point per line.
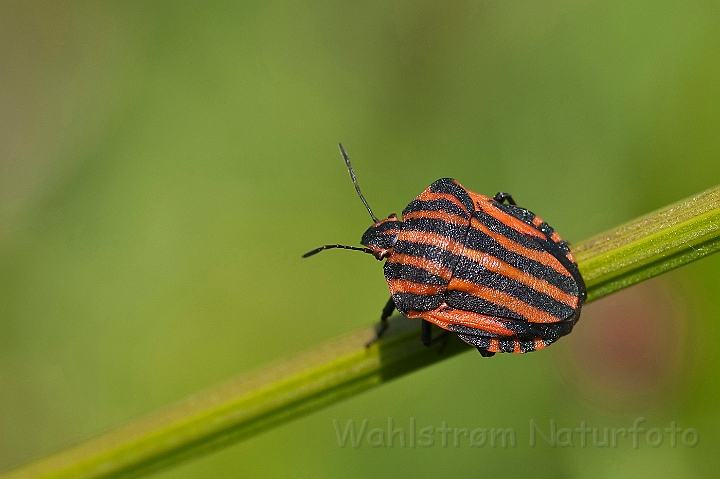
382	254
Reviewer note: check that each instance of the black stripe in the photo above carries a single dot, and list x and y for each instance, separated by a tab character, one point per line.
448	185
506	345
480	342
451	231
572	267
479	241
412	273
553	331
520	213
520	329
563	246
440	204
432	253
468	302
471	271
546	229
406	302
499	227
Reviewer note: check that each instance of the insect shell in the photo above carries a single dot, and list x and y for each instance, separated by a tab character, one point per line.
493	273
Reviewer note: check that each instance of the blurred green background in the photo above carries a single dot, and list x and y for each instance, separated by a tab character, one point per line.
163	166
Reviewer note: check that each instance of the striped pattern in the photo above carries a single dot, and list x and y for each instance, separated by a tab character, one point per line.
497	275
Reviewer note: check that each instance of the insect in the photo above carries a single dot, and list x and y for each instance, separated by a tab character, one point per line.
484	268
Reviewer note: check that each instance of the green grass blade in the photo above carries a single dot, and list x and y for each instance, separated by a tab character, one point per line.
650	245
655	243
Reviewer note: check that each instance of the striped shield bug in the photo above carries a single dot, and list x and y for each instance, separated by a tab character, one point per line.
484	268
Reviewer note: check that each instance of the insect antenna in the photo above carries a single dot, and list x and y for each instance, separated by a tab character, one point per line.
354	180
357	188
331	246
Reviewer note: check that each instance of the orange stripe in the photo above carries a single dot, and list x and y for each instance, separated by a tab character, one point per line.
437	215
537	221
516	347
494	346
491	263
539	344
432	239
555	237
422	263
488	207
405	286
542	257
531	313
444	315
428	195
570	256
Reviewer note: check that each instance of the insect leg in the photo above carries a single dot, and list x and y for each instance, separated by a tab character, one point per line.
426	335
501	197
382	327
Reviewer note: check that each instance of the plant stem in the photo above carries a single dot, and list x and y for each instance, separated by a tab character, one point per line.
655	243
650	245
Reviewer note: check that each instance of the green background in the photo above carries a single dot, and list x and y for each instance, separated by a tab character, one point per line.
163	166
